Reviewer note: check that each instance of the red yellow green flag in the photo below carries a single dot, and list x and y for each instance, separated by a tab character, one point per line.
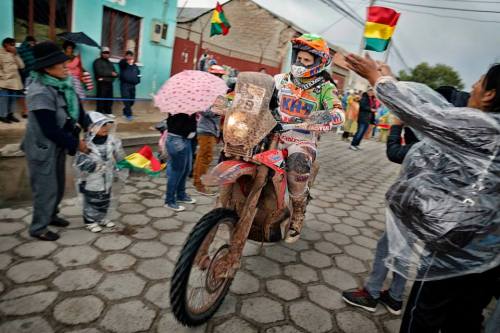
380	25
142	161
219	24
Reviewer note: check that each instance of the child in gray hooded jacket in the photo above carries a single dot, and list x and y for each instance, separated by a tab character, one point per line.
97	170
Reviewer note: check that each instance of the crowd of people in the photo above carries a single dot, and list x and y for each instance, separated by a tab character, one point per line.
450	163
16	66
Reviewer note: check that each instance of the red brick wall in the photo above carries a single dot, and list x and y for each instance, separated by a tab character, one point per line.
188	47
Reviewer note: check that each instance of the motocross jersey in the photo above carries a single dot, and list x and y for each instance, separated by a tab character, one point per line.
314	101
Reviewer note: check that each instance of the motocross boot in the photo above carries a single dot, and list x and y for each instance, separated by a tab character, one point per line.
299	204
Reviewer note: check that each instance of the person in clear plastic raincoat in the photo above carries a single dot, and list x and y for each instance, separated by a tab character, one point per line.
307	104
443	217
96	171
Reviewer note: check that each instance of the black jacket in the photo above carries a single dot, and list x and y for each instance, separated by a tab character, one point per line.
129	73
182	124
395	151
365	110
103	69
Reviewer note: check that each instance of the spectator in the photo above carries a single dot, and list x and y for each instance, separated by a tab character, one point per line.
97	171
203	60
54	121
75	69
210	62
367	108
208	131
351	117
130	76
10	79
25	51
444	206
105	74
181	131
368	297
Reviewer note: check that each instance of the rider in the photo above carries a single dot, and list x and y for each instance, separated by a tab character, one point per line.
307	104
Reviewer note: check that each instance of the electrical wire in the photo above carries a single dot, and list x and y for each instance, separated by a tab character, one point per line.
439	7
447	16
360	20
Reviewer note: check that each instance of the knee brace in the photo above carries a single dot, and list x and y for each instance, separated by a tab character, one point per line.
299	169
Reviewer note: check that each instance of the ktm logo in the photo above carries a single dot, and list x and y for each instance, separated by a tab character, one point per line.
296	107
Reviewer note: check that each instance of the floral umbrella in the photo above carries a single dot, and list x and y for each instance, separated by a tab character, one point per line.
189	92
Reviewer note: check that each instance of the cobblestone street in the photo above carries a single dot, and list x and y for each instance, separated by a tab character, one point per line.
118	281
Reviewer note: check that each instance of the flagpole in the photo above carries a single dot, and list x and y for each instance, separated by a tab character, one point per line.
386	55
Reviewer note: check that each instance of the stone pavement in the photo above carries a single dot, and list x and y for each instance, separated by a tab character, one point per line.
118	281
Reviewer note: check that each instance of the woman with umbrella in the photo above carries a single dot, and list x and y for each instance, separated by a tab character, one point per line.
76	70
182	96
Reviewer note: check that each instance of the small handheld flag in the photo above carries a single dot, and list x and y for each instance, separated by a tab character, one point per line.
219	24
379	28
142	161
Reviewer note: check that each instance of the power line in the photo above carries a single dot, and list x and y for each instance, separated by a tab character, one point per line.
360	20
472	1
439	7
448	16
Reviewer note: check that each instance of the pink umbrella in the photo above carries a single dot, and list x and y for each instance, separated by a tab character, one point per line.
189	92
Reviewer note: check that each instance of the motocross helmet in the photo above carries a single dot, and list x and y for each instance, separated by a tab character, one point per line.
315	45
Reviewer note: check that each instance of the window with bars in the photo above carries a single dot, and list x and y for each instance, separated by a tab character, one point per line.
43	19
120	32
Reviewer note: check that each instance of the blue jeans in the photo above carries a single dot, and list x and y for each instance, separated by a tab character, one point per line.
379	272
127	91
362	128
6	102
178	167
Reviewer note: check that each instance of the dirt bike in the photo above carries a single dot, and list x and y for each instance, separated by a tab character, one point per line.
252	204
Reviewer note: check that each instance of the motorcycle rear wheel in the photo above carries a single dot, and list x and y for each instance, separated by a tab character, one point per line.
207	242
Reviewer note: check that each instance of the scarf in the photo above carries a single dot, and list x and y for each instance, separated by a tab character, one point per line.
63	85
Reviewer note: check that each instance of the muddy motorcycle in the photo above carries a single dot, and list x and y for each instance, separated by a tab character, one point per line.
253	204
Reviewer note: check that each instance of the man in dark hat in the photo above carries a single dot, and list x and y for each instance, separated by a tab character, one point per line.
105	74
55	118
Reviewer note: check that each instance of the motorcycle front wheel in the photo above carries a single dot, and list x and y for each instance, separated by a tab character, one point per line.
196	292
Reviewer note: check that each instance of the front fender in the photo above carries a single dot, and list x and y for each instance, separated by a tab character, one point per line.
228	172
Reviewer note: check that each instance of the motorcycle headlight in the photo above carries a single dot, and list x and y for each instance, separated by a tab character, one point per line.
237	126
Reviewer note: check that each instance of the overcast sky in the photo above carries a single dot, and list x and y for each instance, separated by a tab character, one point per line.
468	46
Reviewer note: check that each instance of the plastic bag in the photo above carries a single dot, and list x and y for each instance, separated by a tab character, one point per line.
98	180
443	217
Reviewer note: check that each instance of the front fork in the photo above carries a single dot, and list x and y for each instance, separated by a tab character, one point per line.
228	265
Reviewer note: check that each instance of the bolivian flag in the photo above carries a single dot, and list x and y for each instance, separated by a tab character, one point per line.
380	25
220	25
142	161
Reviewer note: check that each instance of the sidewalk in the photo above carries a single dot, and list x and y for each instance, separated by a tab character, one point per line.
119	281
145	116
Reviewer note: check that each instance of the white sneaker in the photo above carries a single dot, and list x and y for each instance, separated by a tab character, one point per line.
175	207
188	201
353	148
94	227
107	224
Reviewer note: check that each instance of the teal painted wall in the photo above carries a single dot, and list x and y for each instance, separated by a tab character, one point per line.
7	20
155	59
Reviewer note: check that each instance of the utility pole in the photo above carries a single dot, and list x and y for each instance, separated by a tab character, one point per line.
352	76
